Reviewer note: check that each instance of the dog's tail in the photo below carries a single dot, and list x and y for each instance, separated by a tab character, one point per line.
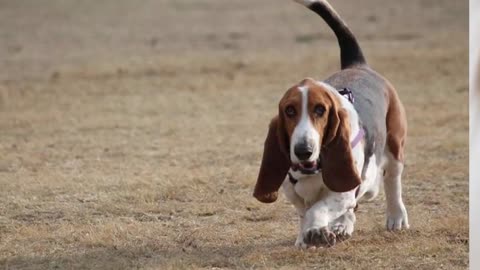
350	52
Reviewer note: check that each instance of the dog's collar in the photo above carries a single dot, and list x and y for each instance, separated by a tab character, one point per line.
292	179
348	94
358	138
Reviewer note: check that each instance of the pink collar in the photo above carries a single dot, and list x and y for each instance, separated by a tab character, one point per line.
358	138
347	93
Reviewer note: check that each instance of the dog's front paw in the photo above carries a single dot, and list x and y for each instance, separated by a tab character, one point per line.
319	237
342	227
300	244
342	231
397	219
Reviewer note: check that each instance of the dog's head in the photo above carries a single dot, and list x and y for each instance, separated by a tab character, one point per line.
310	126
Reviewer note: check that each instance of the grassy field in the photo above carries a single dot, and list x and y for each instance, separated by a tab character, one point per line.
131	132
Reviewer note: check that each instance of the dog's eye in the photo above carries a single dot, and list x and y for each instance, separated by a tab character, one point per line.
290	111
319	110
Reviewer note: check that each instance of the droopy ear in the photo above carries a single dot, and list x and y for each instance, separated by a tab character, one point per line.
338	169
333	123
275	163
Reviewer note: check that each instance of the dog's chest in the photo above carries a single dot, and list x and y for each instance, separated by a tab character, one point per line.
310	188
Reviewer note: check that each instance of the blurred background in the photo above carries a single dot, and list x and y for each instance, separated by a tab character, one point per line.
44	37
474	132
131	132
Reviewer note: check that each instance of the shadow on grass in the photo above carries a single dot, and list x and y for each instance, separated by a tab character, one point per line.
111	257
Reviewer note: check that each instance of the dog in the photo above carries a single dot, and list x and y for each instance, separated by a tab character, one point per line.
334	142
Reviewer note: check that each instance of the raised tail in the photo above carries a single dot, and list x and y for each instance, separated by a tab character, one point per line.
350	52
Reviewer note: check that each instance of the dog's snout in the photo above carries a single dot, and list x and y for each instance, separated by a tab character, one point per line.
303	151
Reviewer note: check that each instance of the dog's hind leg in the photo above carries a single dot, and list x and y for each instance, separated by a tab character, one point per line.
397	217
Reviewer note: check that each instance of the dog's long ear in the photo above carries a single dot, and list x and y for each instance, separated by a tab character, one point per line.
338	169
275	163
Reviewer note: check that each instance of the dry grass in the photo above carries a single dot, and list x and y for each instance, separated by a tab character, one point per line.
131	135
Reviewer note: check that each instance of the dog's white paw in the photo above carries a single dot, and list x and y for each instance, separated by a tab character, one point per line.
317	237
342	231
397	219
300	244
343	226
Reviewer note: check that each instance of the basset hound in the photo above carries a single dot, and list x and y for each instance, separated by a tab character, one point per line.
334	142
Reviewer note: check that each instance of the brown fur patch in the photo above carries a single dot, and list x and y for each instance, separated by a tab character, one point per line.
275	165
396	121
338	168
293	98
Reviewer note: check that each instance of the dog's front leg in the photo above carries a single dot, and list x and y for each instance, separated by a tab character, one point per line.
299	243
299	204
320	214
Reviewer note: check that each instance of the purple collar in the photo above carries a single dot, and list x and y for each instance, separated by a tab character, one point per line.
348	94
358	138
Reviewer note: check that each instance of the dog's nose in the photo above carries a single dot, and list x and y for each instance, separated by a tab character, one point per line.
303	151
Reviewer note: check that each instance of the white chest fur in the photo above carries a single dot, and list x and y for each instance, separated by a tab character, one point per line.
309	187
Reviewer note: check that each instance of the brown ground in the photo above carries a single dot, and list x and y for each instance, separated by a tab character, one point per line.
131	132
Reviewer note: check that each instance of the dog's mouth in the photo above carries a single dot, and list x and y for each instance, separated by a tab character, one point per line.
307	167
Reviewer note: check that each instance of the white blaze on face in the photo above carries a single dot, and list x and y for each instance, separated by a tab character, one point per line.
305	131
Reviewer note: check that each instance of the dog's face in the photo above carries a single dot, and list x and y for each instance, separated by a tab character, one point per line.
305	110
310	126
